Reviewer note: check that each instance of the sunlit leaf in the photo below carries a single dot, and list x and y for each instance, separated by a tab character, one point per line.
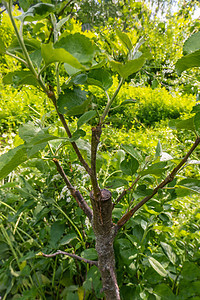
79	46
157	267
188	61
50	55
129	68
167	249
124	39
192	44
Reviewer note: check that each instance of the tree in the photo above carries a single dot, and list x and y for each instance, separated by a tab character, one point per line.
86	65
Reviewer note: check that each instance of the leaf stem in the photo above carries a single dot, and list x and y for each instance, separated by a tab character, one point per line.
16	57
110	101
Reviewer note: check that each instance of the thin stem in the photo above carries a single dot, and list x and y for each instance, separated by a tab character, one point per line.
167	180
18	58
76	194
91	262
125	191
110	101
20	39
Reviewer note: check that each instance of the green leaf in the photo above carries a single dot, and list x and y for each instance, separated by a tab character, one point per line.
56	231
192	44
182	124
164	292
87	116
72	70
197	123
93	282
36	58
155	169
100	78
2	47
24	4
61	23
77	134
129	166
191	184
34	135
117	182
134	153
187	62
124	39
90	253
50	55
190	271
78	45
10	160
20	78
157	267
158	150
79	79
37	12
31	45
167	249
130	67
73	102
68	238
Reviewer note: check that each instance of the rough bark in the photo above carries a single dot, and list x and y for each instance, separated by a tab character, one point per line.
104	232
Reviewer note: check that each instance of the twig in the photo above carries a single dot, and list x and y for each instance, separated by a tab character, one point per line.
76	194
167	180
125	191
110	101
87	261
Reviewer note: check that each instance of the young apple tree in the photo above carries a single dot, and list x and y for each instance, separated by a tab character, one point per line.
78	58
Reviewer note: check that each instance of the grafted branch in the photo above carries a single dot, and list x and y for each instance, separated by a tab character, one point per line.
167	180
87	261
75	193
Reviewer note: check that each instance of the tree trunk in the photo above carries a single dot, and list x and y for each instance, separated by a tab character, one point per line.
104	232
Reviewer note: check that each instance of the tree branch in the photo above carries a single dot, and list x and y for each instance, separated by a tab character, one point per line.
87	261
52	96
125	191
110	101
76	194
167	180
96	133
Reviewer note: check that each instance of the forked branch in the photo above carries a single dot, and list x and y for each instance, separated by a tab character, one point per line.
167	180
75	193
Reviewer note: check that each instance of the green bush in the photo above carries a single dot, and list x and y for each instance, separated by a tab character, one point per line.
150	106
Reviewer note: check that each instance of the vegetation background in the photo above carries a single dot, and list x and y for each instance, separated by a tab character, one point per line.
37	213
